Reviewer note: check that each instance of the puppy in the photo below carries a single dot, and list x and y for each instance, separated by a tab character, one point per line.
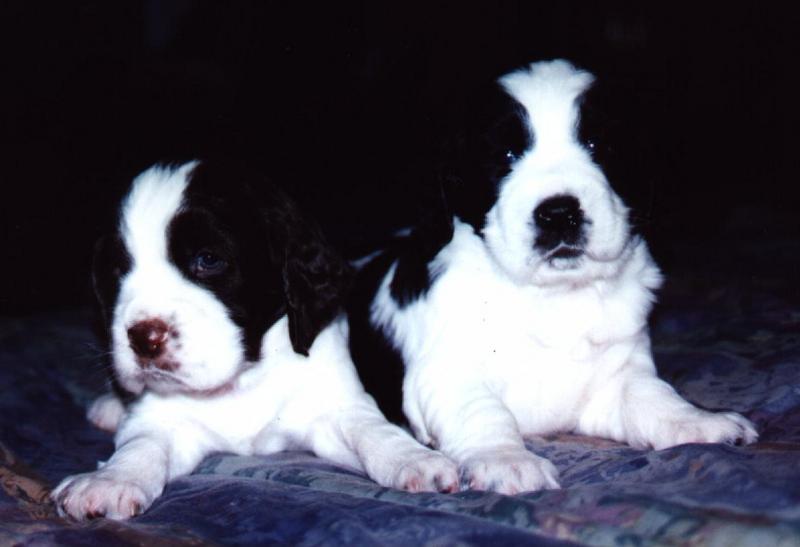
223	312
533	321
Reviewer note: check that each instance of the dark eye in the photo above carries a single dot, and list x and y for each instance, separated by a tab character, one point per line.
511	156
207	264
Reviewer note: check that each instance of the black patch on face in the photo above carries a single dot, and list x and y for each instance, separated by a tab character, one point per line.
245	241
596	128
617	148
477	153
477	149
219	220
493	133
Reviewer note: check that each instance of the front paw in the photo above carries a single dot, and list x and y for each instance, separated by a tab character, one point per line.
508	471
706	427
100	494
427	471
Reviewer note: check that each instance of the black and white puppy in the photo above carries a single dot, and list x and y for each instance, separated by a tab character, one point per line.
535	320
223	306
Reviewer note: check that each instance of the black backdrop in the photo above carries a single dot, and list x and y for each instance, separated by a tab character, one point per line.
332	100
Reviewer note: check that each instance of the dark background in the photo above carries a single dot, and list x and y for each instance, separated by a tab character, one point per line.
334	100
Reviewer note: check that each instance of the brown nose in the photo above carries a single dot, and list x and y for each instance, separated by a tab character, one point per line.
148	338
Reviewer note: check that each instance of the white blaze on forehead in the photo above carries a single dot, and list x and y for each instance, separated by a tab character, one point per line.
210	351
155	196
549	91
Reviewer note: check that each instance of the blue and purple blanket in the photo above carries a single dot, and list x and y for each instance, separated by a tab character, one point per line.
723	347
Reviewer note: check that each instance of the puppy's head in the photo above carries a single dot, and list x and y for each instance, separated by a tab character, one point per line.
205	260
555	219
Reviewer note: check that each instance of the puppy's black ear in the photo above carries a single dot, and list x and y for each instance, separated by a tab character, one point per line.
316	279
109	263
433	230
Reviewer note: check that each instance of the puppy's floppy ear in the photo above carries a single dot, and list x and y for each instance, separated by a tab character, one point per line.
316	279
109	263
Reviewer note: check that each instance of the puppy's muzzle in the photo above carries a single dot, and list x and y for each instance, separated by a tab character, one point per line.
559	221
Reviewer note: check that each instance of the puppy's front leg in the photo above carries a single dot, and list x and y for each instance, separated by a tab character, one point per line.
481	434
386	452
124	487
130	481
639	408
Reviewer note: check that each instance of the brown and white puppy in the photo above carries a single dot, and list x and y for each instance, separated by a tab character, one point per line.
223	309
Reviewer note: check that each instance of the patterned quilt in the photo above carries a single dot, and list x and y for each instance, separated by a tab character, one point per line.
723	346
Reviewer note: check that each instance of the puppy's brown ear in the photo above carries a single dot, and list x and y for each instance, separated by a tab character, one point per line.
315	278
109	263
316	282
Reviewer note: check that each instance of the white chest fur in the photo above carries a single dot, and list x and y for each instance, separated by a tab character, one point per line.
540	350
273	405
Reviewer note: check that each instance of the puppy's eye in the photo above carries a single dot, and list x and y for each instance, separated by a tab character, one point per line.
207	264
511	156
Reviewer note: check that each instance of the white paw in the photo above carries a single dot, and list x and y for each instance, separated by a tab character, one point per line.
427	471
509	471
106	412
99	494
706	427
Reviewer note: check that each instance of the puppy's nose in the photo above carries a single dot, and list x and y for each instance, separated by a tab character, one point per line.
560	217
148	338
559	213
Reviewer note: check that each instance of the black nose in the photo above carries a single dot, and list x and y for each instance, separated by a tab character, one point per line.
148	338
559	220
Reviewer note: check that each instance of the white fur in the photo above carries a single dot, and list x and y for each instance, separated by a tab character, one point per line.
509	342
215	400
208	343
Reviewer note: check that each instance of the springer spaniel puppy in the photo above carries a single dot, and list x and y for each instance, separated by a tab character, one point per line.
532	321
223	312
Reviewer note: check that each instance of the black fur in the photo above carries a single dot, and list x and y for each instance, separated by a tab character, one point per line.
597	128
218	217
243	239
559	220
477	153
109	263
483	143
476	147
414	253
378	362
279	261
476	150
315	278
